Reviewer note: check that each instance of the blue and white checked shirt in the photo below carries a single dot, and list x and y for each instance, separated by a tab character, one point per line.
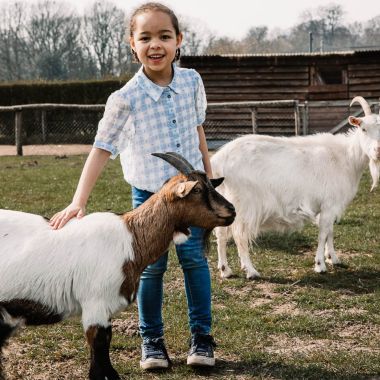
142	118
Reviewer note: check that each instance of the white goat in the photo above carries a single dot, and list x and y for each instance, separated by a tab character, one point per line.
92	266
278	183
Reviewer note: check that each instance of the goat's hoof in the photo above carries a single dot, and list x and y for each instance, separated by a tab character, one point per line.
331	261
226	272
100	374
253	274
319	268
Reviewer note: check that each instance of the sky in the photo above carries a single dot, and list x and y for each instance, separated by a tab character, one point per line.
234	18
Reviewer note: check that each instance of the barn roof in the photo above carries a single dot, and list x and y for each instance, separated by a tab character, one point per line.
299	54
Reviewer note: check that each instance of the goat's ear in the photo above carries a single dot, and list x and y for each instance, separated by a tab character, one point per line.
184	188
355	121
216	181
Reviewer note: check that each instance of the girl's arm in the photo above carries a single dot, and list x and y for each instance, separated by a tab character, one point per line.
94	165
204	150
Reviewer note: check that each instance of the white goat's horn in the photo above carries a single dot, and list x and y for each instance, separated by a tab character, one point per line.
363	103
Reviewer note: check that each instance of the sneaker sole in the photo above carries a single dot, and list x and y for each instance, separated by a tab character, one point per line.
154	364
203	361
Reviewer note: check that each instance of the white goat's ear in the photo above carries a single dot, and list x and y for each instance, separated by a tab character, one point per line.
355	121
184	188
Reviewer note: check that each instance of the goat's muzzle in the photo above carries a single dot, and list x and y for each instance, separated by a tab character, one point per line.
230	217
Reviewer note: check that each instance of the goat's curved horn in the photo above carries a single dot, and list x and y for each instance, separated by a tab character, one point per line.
177	161
183	159
363	103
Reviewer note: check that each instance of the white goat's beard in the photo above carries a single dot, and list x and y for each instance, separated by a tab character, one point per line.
179	237
374	169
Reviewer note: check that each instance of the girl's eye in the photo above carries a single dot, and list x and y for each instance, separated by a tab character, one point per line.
165	37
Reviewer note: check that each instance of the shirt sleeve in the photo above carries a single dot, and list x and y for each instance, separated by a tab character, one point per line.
200	100
111	134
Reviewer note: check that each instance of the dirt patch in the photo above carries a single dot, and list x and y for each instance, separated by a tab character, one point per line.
288	346
128	326
18	366
365	331
46	150
289	308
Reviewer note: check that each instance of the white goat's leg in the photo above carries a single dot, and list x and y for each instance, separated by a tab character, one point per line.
245	261
325	228
221	241
330	254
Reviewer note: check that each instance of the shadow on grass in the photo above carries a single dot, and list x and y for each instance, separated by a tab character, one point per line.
358	281
294	243
254	369
342	279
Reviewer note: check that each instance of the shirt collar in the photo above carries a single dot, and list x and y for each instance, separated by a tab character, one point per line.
154	90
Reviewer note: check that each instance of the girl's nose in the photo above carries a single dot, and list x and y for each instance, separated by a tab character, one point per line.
155	43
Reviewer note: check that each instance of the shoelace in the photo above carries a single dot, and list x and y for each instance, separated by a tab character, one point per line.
156	346
202	342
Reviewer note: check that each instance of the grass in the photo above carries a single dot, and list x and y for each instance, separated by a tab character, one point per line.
290	324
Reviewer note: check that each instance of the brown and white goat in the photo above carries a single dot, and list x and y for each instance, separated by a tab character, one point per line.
93	265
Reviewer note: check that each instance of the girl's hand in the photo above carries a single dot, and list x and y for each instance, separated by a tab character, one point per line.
62	217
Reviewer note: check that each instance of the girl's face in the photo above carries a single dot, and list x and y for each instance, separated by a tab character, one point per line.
155	42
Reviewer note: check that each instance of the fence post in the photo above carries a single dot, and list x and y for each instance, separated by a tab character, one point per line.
254	119
43	125
18	131
377	107
305	118
296	118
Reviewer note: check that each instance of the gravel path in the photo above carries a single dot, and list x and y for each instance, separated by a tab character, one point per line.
46	150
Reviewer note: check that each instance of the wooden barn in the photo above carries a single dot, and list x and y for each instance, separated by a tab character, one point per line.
322	84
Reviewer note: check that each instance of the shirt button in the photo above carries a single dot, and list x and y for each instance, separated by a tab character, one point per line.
178	145
169	96
174	121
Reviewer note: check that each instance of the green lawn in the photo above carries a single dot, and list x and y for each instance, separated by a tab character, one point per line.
290	324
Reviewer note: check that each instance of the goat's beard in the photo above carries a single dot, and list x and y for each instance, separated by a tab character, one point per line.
374	169
206	242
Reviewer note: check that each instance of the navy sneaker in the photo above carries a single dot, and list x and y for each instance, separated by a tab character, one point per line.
154	354
201	350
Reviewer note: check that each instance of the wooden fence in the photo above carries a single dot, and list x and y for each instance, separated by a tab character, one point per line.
224	122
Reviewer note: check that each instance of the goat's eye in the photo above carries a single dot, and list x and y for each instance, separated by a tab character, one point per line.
197	190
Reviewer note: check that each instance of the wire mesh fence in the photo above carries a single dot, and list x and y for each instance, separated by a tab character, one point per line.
39	128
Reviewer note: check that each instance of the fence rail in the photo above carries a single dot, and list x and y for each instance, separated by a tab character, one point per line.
50	123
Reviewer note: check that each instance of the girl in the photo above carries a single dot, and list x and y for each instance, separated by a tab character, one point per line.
160	109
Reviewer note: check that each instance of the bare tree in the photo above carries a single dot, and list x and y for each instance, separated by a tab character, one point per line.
195	36
256	40
103	36
53	38
371	33
331	17
12	40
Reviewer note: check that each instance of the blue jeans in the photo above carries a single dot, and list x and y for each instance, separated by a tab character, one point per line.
197	283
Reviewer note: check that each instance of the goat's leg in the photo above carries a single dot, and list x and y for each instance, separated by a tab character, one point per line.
99	339
330	254
326	223
221	241
8	326
245	261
